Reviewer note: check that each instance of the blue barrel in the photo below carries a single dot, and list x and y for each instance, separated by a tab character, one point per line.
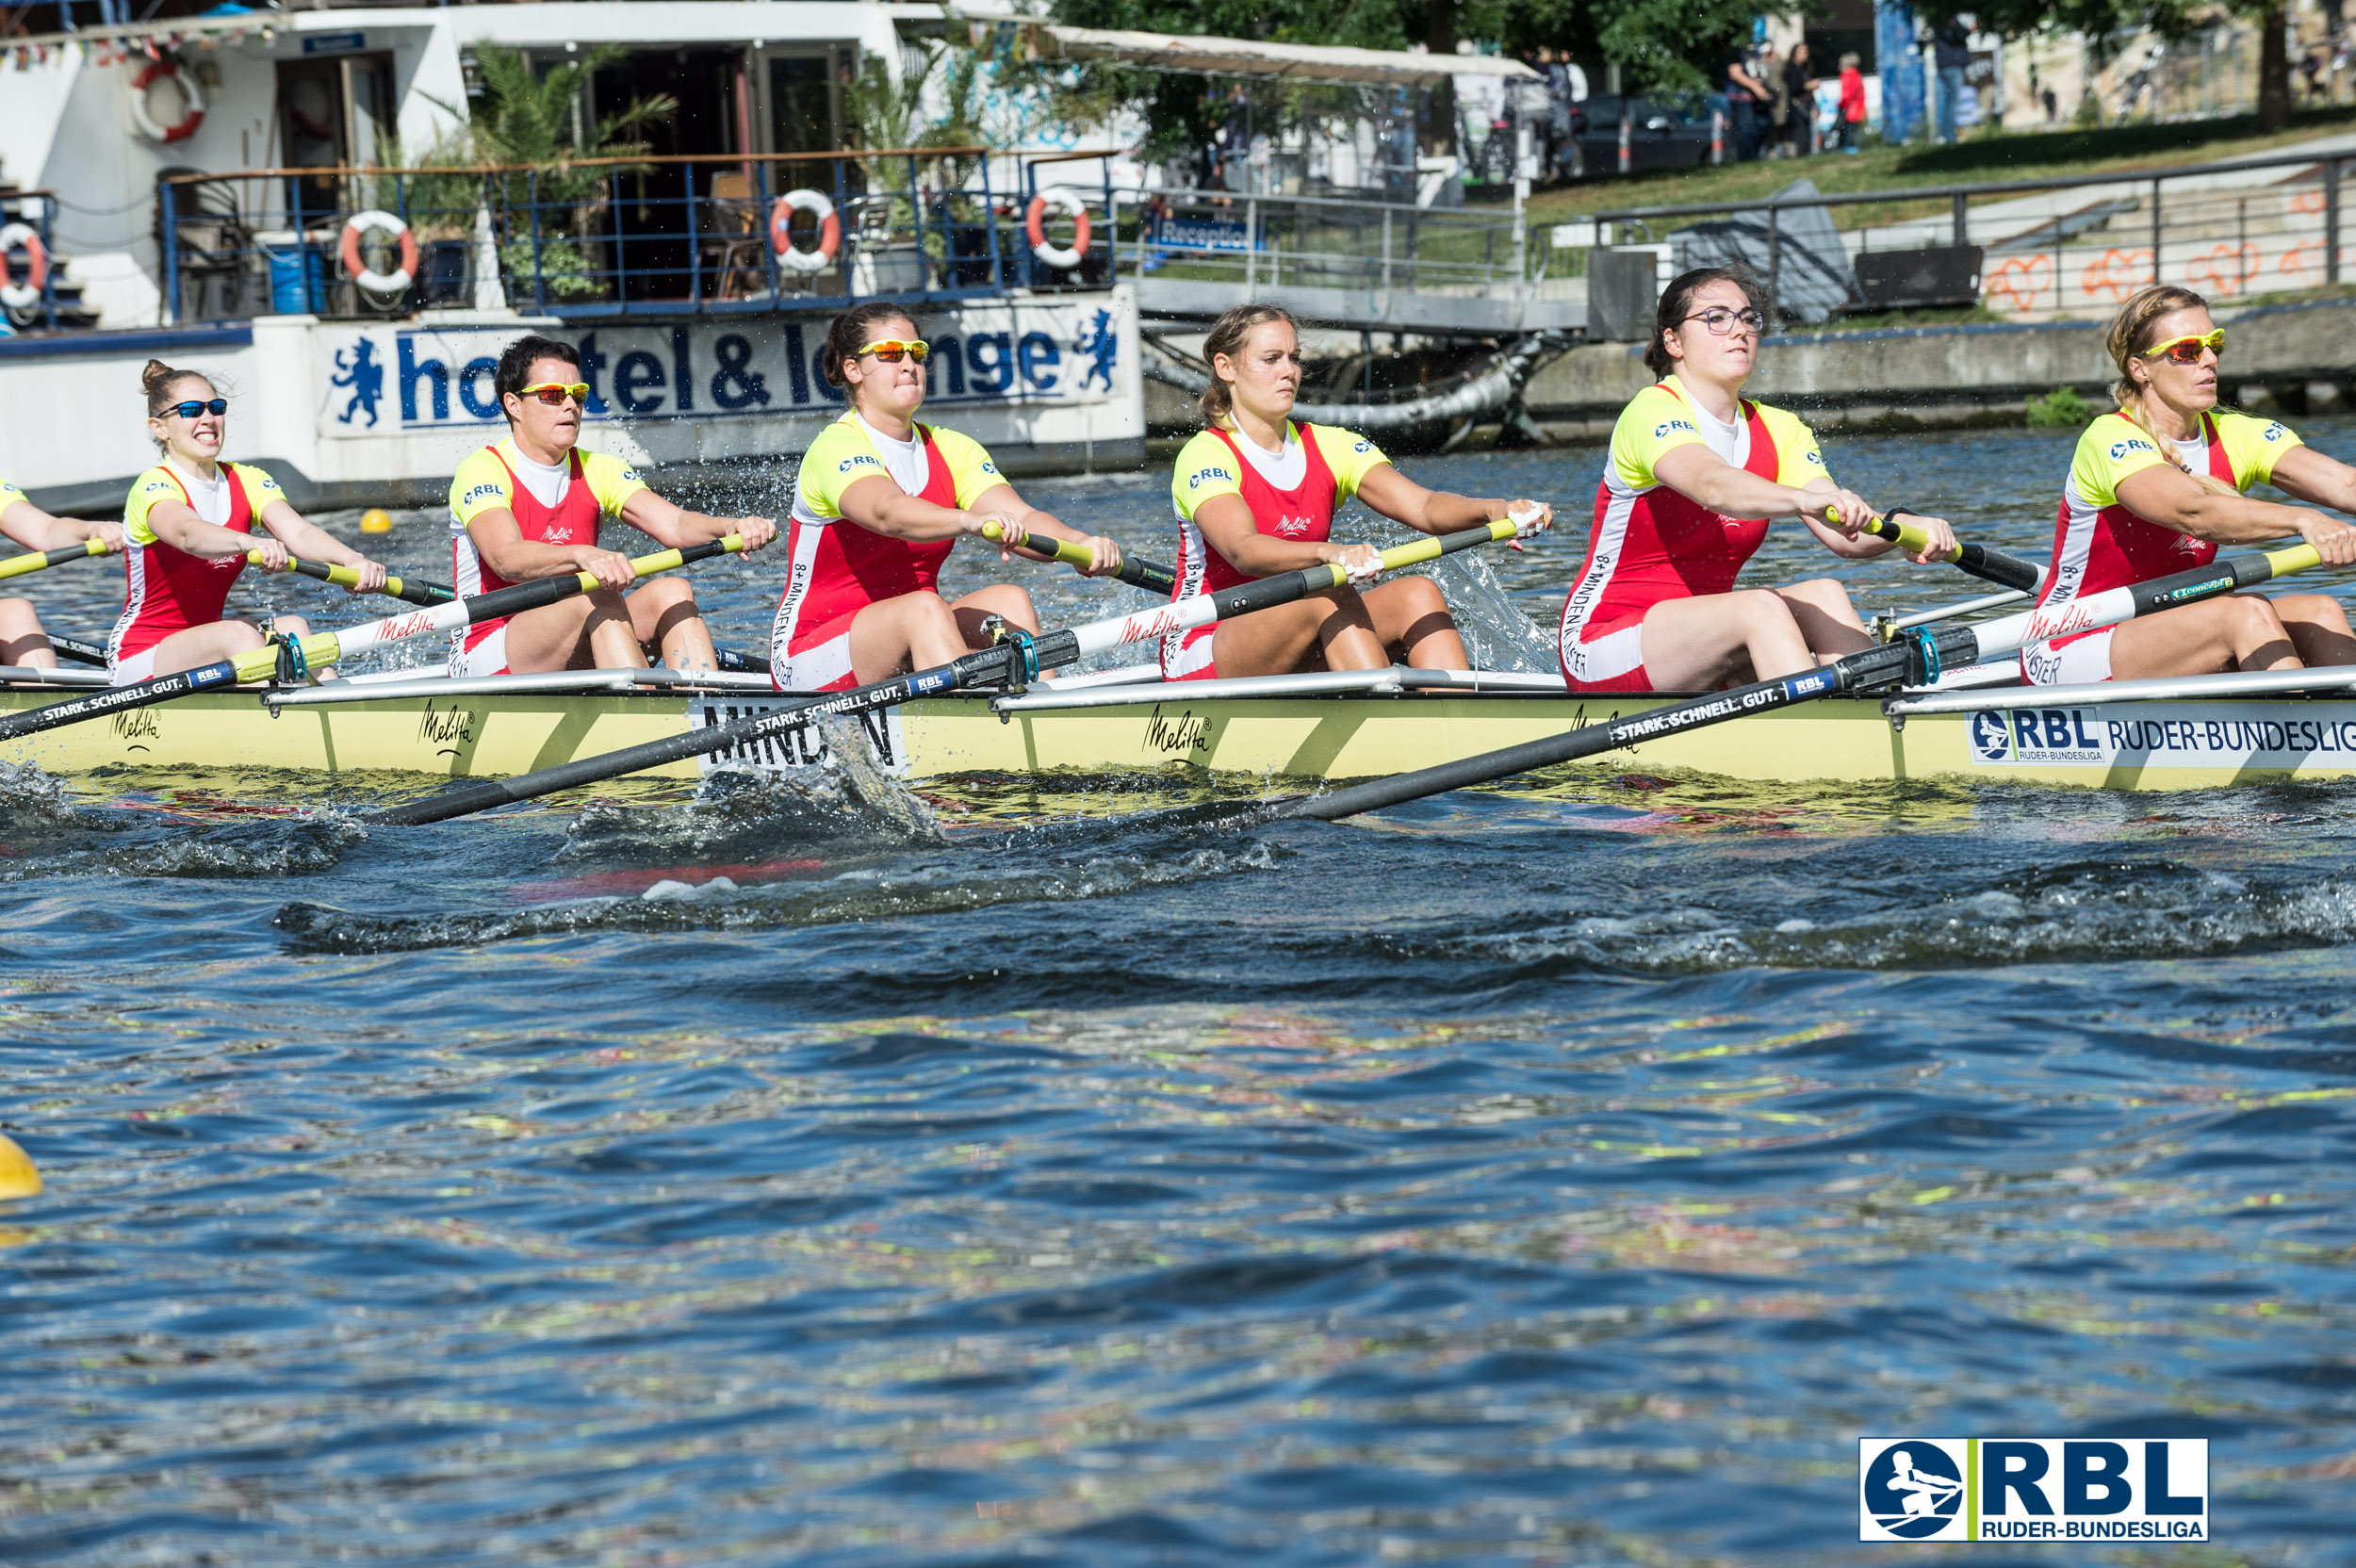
297	275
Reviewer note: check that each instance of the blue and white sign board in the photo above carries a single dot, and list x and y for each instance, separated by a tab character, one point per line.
1003	357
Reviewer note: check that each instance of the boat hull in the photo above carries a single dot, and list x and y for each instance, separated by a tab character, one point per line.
2153	745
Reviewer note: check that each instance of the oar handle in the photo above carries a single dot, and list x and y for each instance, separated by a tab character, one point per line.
1150	575
43	559
1978	559
348	577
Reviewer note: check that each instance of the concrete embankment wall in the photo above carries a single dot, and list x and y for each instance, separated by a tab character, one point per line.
2303	356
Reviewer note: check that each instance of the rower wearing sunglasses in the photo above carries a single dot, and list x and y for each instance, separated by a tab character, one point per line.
1694	473
878	503
190	525
2155	488
22	643
531	505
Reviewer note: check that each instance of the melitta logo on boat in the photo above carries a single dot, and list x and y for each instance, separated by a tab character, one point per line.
2033	1489
2283	736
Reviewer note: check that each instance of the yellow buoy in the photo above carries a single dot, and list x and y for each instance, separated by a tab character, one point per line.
376	521
18	1179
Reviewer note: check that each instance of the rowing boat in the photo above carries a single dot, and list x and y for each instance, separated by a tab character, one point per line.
2124	735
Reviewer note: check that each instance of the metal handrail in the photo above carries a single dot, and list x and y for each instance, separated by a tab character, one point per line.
1996	188
555	164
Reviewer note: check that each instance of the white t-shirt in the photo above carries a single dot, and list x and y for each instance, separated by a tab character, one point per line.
548	482
209	497
2194	455
1283	470
903	460
1730	440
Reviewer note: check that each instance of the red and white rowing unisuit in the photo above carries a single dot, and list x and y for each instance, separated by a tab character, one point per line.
482	648
2099	542
1292	495
166	589
836	567
1651	543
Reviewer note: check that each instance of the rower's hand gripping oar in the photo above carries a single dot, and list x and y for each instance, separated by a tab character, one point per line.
1020	659
41	561
1134	570
348	577
1978	559
293	658
1917	658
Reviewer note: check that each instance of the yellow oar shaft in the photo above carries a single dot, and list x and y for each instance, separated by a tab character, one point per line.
41	559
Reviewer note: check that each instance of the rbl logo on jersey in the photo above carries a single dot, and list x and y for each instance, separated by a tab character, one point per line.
492	491
1665	427
2121	449
2274	432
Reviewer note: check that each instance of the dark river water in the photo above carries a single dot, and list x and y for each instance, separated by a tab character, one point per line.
1567	1172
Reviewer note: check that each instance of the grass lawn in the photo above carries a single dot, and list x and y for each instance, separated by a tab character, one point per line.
1988	157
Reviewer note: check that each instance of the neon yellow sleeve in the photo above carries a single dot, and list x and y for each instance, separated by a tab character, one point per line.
1205	469
613	481
1655	422
260	488
1349	455
479	486
1798	458
150	487
838	459
970	465
2253	446
9	494
2110	449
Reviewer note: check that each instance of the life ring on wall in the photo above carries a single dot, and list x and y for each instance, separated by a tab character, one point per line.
379	283
23	295
190	95
782	213
1035	226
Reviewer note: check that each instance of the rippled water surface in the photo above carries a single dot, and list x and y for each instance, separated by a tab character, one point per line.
1094	1173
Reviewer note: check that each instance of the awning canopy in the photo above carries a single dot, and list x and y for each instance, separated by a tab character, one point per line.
1252	58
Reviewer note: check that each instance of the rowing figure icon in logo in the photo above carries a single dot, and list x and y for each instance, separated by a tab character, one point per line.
1914	1490
1990	737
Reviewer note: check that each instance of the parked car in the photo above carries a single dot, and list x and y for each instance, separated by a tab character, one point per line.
1660	135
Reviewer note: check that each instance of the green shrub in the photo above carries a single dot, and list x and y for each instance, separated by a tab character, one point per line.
2061	408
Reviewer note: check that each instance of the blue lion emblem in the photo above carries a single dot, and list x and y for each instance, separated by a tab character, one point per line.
364	374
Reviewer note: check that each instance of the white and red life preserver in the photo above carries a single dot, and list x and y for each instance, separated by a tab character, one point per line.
793	257
1035	227
191	96
23	237
395	282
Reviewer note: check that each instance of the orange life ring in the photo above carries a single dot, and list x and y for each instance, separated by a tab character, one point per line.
23	237
1035	227
190	95
374	282
782	213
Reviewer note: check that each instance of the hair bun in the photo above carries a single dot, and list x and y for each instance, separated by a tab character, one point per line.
155	376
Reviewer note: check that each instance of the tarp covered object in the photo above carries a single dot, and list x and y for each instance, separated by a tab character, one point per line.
1813	279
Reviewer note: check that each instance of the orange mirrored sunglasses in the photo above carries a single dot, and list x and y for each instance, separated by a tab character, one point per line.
553	393
891	348
2189	348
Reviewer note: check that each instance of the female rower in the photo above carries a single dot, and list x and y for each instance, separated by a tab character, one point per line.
878	504
188	523
1256	493
2155	488
1694	473
22	641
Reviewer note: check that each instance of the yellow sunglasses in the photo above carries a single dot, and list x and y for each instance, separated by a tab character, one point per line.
891	348
553	393
2188	349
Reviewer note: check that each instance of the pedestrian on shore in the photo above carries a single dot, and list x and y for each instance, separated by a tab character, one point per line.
1746	99
1799	88
1852	125
1770	70
1951	51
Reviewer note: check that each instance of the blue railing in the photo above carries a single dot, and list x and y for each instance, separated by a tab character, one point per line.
612	238
30	214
